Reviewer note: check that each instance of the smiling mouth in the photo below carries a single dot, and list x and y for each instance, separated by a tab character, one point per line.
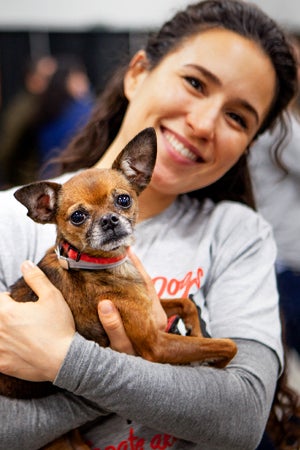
180	148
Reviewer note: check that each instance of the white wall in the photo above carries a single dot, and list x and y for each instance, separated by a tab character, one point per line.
124	14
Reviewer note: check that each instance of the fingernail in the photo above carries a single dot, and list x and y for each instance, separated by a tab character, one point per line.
106	307
28	265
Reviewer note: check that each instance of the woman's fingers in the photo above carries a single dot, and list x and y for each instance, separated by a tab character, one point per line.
112	323
37	280
35	336
50	300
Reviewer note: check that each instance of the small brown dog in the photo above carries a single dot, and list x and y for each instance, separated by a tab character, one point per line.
95	212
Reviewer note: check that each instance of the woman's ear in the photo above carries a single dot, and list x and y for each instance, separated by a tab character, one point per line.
136	73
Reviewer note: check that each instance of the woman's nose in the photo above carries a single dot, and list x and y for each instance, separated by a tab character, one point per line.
202	118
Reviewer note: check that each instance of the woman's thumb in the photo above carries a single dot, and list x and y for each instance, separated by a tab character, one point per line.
112	323
109	316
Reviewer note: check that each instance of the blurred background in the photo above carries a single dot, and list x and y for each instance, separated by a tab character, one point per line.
98	31
55	58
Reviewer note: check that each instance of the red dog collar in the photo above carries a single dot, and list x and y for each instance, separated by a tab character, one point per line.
74	259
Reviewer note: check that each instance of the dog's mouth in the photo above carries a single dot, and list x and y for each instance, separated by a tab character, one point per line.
114	240
111	238
110	232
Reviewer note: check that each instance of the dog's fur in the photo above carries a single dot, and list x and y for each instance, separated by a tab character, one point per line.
95	212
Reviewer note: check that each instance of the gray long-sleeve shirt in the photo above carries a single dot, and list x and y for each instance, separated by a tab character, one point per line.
277	193
222	254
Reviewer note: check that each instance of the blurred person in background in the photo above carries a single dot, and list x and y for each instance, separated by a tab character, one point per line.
277	195
65	107
18	146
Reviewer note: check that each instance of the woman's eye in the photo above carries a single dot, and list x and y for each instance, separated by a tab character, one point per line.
238	119
78	217
123	201
195	83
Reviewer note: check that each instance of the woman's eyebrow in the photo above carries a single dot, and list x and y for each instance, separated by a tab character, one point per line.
211	76
214	79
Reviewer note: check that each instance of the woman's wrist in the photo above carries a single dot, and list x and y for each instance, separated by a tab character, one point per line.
75	357
59	354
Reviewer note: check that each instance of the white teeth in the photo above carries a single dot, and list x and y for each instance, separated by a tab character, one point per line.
179	147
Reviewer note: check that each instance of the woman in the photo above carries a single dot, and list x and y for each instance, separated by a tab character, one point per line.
212	79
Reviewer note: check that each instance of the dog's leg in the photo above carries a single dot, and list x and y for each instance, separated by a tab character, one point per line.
77	441
159	346
174	349
187	310
69	441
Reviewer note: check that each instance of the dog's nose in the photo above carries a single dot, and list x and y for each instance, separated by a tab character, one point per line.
109	221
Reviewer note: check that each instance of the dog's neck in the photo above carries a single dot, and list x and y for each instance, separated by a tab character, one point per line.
74	259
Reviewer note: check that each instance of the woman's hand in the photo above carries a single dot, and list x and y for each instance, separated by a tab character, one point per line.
112	322
35	336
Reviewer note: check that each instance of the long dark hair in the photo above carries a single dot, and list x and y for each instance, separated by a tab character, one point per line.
249	21
243	18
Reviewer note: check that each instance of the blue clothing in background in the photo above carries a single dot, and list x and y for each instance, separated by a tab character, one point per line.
56	134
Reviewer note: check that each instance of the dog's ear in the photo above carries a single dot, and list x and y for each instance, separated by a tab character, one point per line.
40	199
137	159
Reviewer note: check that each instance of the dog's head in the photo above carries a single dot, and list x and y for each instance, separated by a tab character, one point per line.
96	209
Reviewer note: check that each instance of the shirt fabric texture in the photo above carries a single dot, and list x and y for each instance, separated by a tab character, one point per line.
277	193
221	254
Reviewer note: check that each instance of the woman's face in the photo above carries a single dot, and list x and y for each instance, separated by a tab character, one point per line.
206	101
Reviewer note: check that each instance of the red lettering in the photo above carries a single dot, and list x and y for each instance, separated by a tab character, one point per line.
169	440
188	282
173	286
179	288
162	441
160	284
158	442
135	442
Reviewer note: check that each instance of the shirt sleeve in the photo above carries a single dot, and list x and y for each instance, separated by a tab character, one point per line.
240	293
30	424
17	233
20	238
187	402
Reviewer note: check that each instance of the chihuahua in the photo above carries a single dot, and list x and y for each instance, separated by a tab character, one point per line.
95	212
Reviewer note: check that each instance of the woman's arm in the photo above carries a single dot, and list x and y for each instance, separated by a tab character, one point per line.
188	402
219	409
30	424
32	332
26	329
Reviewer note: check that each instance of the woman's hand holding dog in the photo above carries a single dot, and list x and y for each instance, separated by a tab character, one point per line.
112	322
35	336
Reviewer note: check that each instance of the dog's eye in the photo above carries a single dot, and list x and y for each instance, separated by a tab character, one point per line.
123	200
78	217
